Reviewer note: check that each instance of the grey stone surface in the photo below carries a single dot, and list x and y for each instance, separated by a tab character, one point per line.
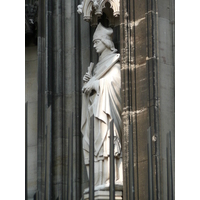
164	9
32	124
31	74
165	42
32	171
166	88
30	53
31	90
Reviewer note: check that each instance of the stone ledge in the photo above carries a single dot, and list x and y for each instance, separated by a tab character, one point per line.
104	195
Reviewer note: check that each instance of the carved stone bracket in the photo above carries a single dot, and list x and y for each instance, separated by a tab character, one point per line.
93	9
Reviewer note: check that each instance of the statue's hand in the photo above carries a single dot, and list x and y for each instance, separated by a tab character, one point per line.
87	77
87	89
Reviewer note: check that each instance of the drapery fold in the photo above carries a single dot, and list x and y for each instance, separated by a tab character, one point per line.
106	105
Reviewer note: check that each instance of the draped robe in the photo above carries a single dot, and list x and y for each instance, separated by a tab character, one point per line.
105	106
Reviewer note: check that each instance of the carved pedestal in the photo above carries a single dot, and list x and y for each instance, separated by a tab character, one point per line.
104	195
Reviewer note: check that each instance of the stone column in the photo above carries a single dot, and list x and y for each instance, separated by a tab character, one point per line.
59	95
57	100
66	97
166	88
42	100
139	90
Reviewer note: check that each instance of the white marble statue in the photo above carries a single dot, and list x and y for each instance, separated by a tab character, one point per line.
102	98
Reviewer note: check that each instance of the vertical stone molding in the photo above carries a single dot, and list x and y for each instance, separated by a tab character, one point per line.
138	70
59	95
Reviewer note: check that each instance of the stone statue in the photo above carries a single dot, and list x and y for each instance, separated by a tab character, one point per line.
102	98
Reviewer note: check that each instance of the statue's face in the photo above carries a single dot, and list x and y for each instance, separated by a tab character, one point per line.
99	46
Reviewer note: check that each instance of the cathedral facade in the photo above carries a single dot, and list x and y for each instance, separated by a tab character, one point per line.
59	48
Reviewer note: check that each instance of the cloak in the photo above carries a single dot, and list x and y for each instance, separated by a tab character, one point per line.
105	106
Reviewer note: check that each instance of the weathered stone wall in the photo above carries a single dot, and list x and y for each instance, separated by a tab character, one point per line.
64	53
166	87
31	69
138	91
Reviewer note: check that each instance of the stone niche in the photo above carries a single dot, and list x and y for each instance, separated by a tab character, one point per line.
105	14
93	10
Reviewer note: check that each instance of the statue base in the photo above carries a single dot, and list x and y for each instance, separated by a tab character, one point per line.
104	195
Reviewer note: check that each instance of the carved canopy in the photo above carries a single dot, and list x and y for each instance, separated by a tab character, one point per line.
93	9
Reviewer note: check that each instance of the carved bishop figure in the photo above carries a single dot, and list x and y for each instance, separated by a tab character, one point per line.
101	98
